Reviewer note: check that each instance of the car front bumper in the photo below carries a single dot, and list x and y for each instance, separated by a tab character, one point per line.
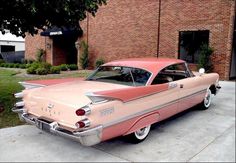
87	138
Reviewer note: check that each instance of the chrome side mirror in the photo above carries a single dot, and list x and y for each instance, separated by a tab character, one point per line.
201	71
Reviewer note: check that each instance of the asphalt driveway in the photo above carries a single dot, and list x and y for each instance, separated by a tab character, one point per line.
190	136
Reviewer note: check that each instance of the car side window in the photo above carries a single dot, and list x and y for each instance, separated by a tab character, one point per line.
140	76
171	73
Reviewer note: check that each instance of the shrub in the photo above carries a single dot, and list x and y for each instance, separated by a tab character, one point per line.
99	62
22	66
41	71
3	64
84	59
7	65
40	55
204	57
27	65
55	70
2	61
31	70
36	65
33	67
64	67
11	65
46	65
73	67
16	65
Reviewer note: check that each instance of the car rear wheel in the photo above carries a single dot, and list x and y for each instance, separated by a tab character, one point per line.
207	100
139	135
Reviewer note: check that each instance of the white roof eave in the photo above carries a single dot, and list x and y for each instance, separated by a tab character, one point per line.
10	37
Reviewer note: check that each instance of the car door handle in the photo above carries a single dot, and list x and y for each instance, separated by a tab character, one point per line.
181	86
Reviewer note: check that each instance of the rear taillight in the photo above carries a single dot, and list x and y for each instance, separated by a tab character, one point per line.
83	111
83	123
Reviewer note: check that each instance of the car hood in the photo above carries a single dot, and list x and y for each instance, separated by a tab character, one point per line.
70	93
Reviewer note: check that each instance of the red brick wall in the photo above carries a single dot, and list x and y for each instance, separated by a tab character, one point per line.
123	29
32	43
128	28
185	15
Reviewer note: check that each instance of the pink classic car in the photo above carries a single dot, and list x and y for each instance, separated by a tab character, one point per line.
121	98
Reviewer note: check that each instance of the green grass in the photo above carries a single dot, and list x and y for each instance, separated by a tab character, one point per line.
9	85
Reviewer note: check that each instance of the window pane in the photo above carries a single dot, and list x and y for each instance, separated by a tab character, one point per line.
140	76
171	73
121	75
176	67
189	44
7	48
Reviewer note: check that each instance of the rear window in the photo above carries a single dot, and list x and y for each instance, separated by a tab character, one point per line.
121	75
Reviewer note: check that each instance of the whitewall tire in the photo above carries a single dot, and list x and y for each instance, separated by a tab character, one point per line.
139	135
207	100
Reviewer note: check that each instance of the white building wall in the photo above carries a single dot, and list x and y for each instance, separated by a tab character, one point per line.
19	46
12	40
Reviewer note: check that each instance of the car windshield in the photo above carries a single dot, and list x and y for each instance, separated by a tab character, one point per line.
121	75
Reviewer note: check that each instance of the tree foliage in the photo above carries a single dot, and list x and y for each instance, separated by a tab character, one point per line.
84	58
21	16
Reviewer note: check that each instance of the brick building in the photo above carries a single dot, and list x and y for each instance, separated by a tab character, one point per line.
151	28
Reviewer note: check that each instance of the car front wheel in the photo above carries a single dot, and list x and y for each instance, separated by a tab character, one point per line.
207	100
139	135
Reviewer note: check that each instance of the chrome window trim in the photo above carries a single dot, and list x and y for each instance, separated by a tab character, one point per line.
186	67
147	83
188	70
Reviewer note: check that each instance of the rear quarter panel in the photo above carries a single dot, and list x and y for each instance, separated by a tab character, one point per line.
127	116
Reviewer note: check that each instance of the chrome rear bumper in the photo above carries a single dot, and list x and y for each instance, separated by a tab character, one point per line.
87	138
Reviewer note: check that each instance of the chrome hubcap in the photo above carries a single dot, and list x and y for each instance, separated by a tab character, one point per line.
207	99
143	132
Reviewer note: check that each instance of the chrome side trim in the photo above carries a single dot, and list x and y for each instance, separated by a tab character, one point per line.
100	98
30	85
151	109
172	85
